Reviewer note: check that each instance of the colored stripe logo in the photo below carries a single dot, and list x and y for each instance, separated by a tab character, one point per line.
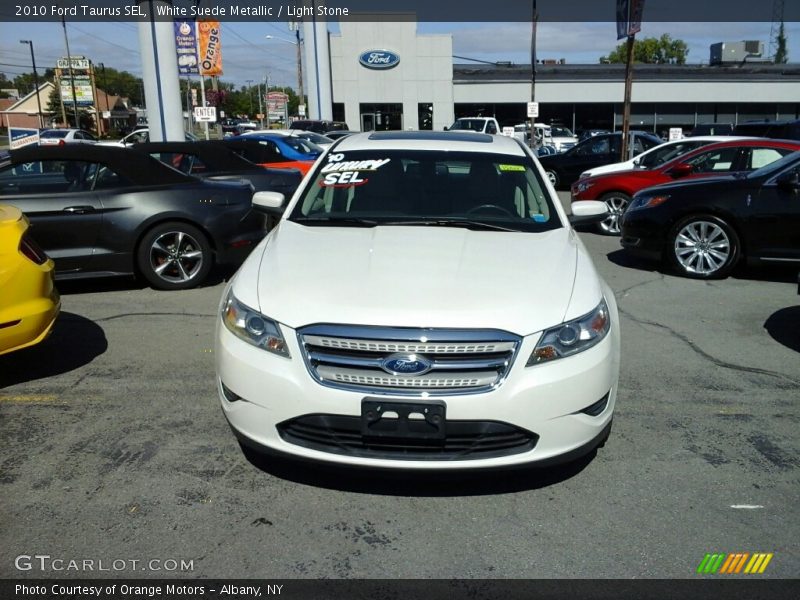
735	563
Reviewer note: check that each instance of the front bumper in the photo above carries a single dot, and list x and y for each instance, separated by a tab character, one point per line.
545	401
641	235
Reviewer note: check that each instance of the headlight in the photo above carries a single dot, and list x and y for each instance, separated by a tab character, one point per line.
641	202
582	186
253	327
573	336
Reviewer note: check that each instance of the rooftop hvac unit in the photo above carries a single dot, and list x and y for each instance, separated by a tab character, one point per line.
735	52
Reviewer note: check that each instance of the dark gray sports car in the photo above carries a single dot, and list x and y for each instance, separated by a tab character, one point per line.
101	211
215	161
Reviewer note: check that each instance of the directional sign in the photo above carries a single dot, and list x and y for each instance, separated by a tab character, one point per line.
205	114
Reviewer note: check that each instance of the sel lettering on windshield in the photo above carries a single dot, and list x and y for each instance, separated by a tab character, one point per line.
339	172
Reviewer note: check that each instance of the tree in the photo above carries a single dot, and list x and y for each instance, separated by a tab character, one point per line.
781	53
661	51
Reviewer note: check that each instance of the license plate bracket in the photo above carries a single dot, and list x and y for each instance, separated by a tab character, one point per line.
407	421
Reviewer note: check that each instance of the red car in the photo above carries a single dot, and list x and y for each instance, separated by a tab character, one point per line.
722	158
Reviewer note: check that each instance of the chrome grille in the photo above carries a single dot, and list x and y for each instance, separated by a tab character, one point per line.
460	361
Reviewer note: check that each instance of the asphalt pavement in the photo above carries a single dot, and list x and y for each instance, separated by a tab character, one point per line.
114	448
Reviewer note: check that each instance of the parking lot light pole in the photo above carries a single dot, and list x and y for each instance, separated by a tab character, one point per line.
249	83
35	82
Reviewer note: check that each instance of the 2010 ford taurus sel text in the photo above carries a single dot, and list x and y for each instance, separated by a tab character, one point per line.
423	303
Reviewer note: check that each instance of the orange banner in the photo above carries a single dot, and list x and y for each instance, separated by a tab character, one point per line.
210	47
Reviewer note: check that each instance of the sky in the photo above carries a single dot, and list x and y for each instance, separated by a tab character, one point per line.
249	55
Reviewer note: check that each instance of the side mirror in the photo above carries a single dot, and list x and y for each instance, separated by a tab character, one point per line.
587	212
681	170
789	182
446	128
268	202
637	162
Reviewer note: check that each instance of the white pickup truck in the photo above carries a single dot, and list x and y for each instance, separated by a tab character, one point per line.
477	124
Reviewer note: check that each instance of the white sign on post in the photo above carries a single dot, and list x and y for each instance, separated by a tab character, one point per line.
301	110
205	114
508	131
533	110
675	133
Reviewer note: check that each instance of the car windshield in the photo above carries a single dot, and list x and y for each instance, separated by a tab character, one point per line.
302	146
561	132
54	133
469	189
661	154
469	125
314	138
775	167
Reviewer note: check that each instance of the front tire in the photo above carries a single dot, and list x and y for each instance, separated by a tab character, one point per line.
616	202
174	256
553	177
703	247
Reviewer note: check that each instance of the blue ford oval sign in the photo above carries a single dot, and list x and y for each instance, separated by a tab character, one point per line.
379	59
406	364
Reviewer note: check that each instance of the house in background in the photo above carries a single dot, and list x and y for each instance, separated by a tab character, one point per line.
115	111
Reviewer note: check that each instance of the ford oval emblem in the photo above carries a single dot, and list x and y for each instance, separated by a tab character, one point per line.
406	364
379	59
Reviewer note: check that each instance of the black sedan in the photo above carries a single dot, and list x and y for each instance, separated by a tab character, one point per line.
705	227
215	161
564	169
101	211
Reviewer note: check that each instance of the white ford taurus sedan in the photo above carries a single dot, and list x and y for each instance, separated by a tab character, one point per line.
424	303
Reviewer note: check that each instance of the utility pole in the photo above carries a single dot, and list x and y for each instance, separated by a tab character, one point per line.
249	83
35	82
260	107
105	91
71	75
534	19
99	116
626	107
300	66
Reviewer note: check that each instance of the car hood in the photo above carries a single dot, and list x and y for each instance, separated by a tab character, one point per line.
712	181
413	277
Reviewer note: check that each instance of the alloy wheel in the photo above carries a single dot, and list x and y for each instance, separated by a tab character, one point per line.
702	247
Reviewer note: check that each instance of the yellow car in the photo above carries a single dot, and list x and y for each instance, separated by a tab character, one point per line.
29	301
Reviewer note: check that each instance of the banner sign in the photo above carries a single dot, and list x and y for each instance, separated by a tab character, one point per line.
210	46
629	17
19	137
186	47
83	90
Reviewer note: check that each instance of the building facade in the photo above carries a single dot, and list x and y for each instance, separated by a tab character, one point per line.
425	90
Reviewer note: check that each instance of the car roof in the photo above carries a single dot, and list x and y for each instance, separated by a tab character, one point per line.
442	141
136	167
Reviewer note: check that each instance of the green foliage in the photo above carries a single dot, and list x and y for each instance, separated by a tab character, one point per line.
781	53
663	50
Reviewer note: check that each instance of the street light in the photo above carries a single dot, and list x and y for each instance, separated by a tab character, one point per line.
250	95
35	81
299	61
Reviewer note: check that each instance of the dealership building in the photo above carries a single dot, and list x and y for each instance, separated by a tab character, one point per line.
385	75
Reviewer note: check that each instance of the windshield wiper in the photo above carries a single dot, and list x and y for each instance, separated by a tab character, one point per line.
463	223
334	221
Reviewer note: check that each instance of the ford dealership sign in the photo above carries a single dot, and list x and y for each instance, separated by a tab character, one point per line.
379	59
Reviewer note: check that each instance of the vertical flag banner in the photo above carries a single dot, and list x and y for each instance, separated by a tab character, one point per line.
186	47
210	47
636	8
622	18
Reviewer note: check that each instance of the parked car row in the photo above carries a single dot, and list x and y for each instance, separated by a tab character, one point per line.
720	158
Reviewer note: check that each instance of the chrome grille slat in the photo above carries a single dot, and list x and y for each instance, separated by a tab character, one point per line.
461	361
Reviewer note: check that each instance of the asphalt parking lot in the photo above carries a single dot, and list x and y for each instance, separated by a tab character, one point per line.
114	448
